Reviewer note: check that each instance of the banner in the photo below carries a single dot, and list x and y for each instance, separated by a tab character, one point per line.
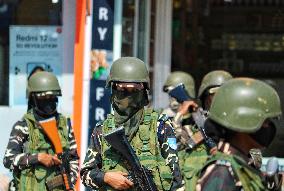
103	24
101	60
99	102
32	47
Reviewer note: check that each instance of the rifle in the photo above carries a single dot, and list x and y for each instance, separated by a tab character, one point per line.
139	175
63	179
180	94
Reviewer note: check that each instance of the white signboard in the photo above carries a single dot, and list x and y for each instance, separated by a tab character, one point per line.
32	46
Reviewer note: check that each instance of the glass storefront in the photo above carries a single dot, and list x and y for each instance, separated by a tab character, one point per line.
24	12
245	38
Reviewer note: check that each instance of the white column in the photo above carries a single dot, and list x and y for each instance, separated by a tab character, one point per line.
117	29
86	87
67	77
162	57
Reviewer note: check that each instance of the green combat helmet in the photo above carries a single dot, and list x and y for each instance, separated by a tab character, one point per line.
128	69
43	83
213	79
179	77
243	104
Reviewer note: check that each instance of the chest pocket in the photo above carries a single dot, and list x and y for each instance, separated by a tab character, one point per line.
39	143
146	147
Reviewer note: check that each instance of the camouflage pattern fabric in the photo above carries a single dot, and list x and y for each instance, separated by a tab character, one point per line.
228	170
190	160
92	174
18	158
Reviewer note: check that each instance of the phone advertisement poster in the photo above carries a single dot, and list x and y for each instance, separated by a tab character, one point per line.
32	47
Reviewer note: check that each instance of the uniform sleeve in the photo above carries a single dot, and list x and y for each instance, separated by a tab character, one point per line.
167	141
15	157
181	134
74	158
91	174
216	178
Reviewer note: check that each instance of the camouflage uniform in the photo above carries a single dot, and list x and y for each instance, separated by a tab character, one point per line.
229	172
161	141
249	105
21	157
91	173
185	128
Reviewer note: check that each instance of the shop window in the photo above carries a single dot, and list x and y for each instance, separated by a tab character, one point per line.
128	25
22	12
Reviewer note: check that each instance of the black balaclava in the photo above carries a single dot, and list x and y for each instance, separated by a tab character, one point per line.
45	107
264	136
216	131
128	109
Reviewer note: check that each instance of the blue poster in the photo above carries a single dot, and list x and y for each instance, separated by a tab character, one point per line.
99	102
103	24
101	60
31	47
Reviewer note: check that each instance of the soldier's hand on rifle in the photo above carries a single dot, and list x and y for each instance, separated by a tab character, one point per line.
56	160
118	180
186	106
48	160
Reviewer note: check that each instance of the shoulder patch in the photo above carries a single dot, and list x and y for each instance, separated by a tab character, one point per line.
172	141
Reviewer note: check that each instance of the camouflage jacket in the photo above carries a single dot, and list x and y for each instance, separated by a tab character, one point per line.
92	174
191	160
17	158
229	170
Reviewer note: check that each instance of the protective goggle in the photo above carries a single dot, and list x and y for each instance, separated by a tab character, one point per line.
48	93
128	86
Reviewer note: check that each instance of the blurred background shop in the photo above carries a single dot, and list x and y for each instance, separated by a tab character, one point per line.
244	37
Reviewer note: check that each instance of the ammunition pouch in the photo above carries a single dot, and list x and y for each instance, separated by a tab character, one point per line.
194	140
55	182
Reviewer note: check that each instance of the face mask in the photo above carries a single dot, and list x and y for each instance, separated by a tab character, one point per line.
174	104
46	107
265	135
127	103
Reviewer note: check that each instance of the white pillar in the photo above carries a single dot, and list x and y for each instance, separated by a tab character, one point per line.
67	77
117	29
86	86
163	45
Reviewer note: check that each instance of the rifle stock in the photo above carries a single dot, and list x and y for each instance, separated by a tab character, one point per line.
49	127
141	176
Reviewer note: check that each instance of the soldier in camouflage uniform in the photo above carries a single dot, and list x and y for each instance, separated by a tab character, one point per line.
192	159
183	122
240	118
29	154
179	112
150	134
